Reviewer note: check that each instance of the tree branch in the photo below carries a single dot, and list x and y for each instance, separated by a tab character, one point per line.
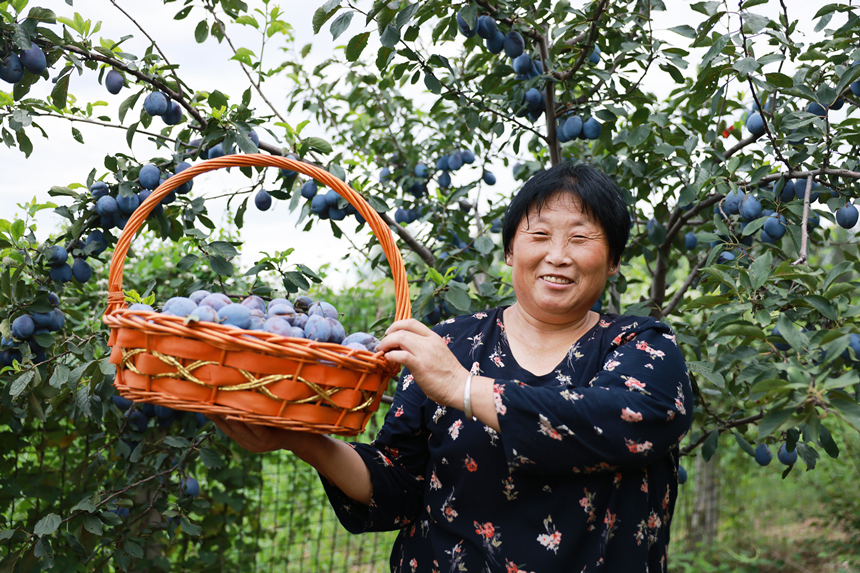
102	124
691	278
413	243
727	426
804	231
244	68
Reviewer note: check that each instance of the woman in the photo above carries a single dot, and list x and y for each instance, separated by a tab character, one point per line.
540	437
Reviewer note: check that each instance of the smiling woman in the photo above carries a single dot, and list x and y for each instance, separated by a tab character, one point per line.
537	437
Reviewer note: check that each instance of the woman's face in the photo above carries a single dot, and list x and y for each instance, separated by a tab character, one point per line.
560	260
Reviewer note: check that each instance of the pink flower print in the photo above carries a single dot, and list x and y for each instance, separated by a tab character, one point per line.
616	481
635	448
414	564
604	323
611	365
480	315
471	464
398	412
551	538
510	492
384	459
654	521
434	481
446	339
642	345
498	390
485	530
672	338
475	369
407	381
633	383
644	486
545	428
449	512
649	366
616	341
454	430
629	415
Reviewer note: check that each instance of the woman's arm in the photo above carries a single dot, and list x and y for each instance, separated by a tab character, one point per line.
335	460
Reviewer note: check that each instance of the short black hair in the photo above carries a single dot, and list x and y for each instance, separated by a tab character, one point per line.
598	195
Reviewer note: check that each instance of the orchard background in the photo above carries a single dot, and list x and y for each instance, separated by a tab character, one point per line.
741	224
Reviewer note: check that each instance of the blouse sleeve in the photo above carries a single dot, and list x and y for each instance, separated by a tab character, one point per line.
397	460
635	409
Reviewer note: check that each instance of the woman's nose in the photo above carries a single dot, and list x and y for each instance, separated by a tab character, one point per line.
559	252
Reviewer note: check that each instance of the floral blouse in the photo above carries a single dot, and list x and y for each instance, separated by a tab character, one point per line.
583	475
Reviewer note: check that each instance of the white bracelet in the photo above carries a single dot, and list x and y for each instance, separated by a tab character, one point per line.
467	398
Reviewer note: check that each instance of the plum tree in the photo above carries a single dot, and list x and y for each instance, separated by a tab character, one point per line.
415	85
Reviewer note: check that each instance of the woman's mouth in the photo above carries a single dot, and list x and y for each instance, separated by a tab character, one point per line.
556	280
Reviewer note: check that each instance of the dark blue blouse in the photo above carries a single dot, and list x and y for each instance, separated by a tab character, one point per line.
581	477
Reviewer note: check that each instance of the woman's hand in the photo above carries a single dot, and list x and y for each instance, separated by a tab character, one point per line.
259	439
435	369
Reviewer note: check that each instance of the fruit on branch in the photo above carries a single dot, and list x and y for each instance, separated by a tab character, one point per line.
263	200
81	270
572	127
591	129
496	43
309	189
682	475
106	206
846	216
514	44
487	27
33	59
156	103
785	457
190	487
114	82
149	177
127	203
11	69
99	189
61	273
690	241
755	124
489	178
444	180
750	207
173	115
763	455
774	226
817	109
522	64
464	28
594	56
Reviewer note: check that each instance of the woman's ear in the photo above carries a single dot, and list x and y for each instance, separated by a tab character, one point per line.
508	259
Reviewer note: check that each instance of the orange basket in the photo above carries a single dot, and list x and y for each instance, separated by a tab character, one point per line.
251	376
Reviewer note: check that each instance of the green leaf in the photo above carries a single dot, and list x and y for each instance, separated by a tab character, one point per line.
210	458
715	49
20	384
709	447
745	66
61	92
201	32
458	296
340	24
791	334
322	15
390	36
188	527
177	442
773	420
356	46
684	30
217	100
638	135
317	144
821	304
221	266
47	525
484	244
432	83
744	445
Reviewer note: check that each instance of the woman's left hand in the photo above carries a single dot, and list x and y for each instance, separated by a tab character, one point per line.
435	369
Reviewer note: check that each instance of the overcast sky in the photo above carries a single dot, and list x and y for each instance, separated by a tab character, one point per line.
60	160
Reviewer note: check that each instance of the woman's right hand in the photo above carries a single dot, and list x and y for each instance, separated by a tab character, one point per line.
259	439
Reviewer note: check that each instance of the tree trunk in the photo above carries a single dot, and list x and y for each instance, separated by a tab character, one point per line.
703	523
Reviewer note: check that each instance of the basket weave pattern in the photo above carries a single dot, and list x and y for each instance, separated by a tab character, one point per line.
252	376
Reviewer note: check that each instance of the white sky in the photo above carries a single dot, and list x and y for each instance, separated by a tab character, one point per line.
60	160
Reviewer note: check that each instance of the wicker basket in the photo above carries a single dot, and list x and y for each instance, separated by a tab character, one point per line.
252	376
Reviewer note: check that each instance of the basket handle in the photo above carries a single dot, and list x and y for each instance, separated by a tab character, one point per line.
116	299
